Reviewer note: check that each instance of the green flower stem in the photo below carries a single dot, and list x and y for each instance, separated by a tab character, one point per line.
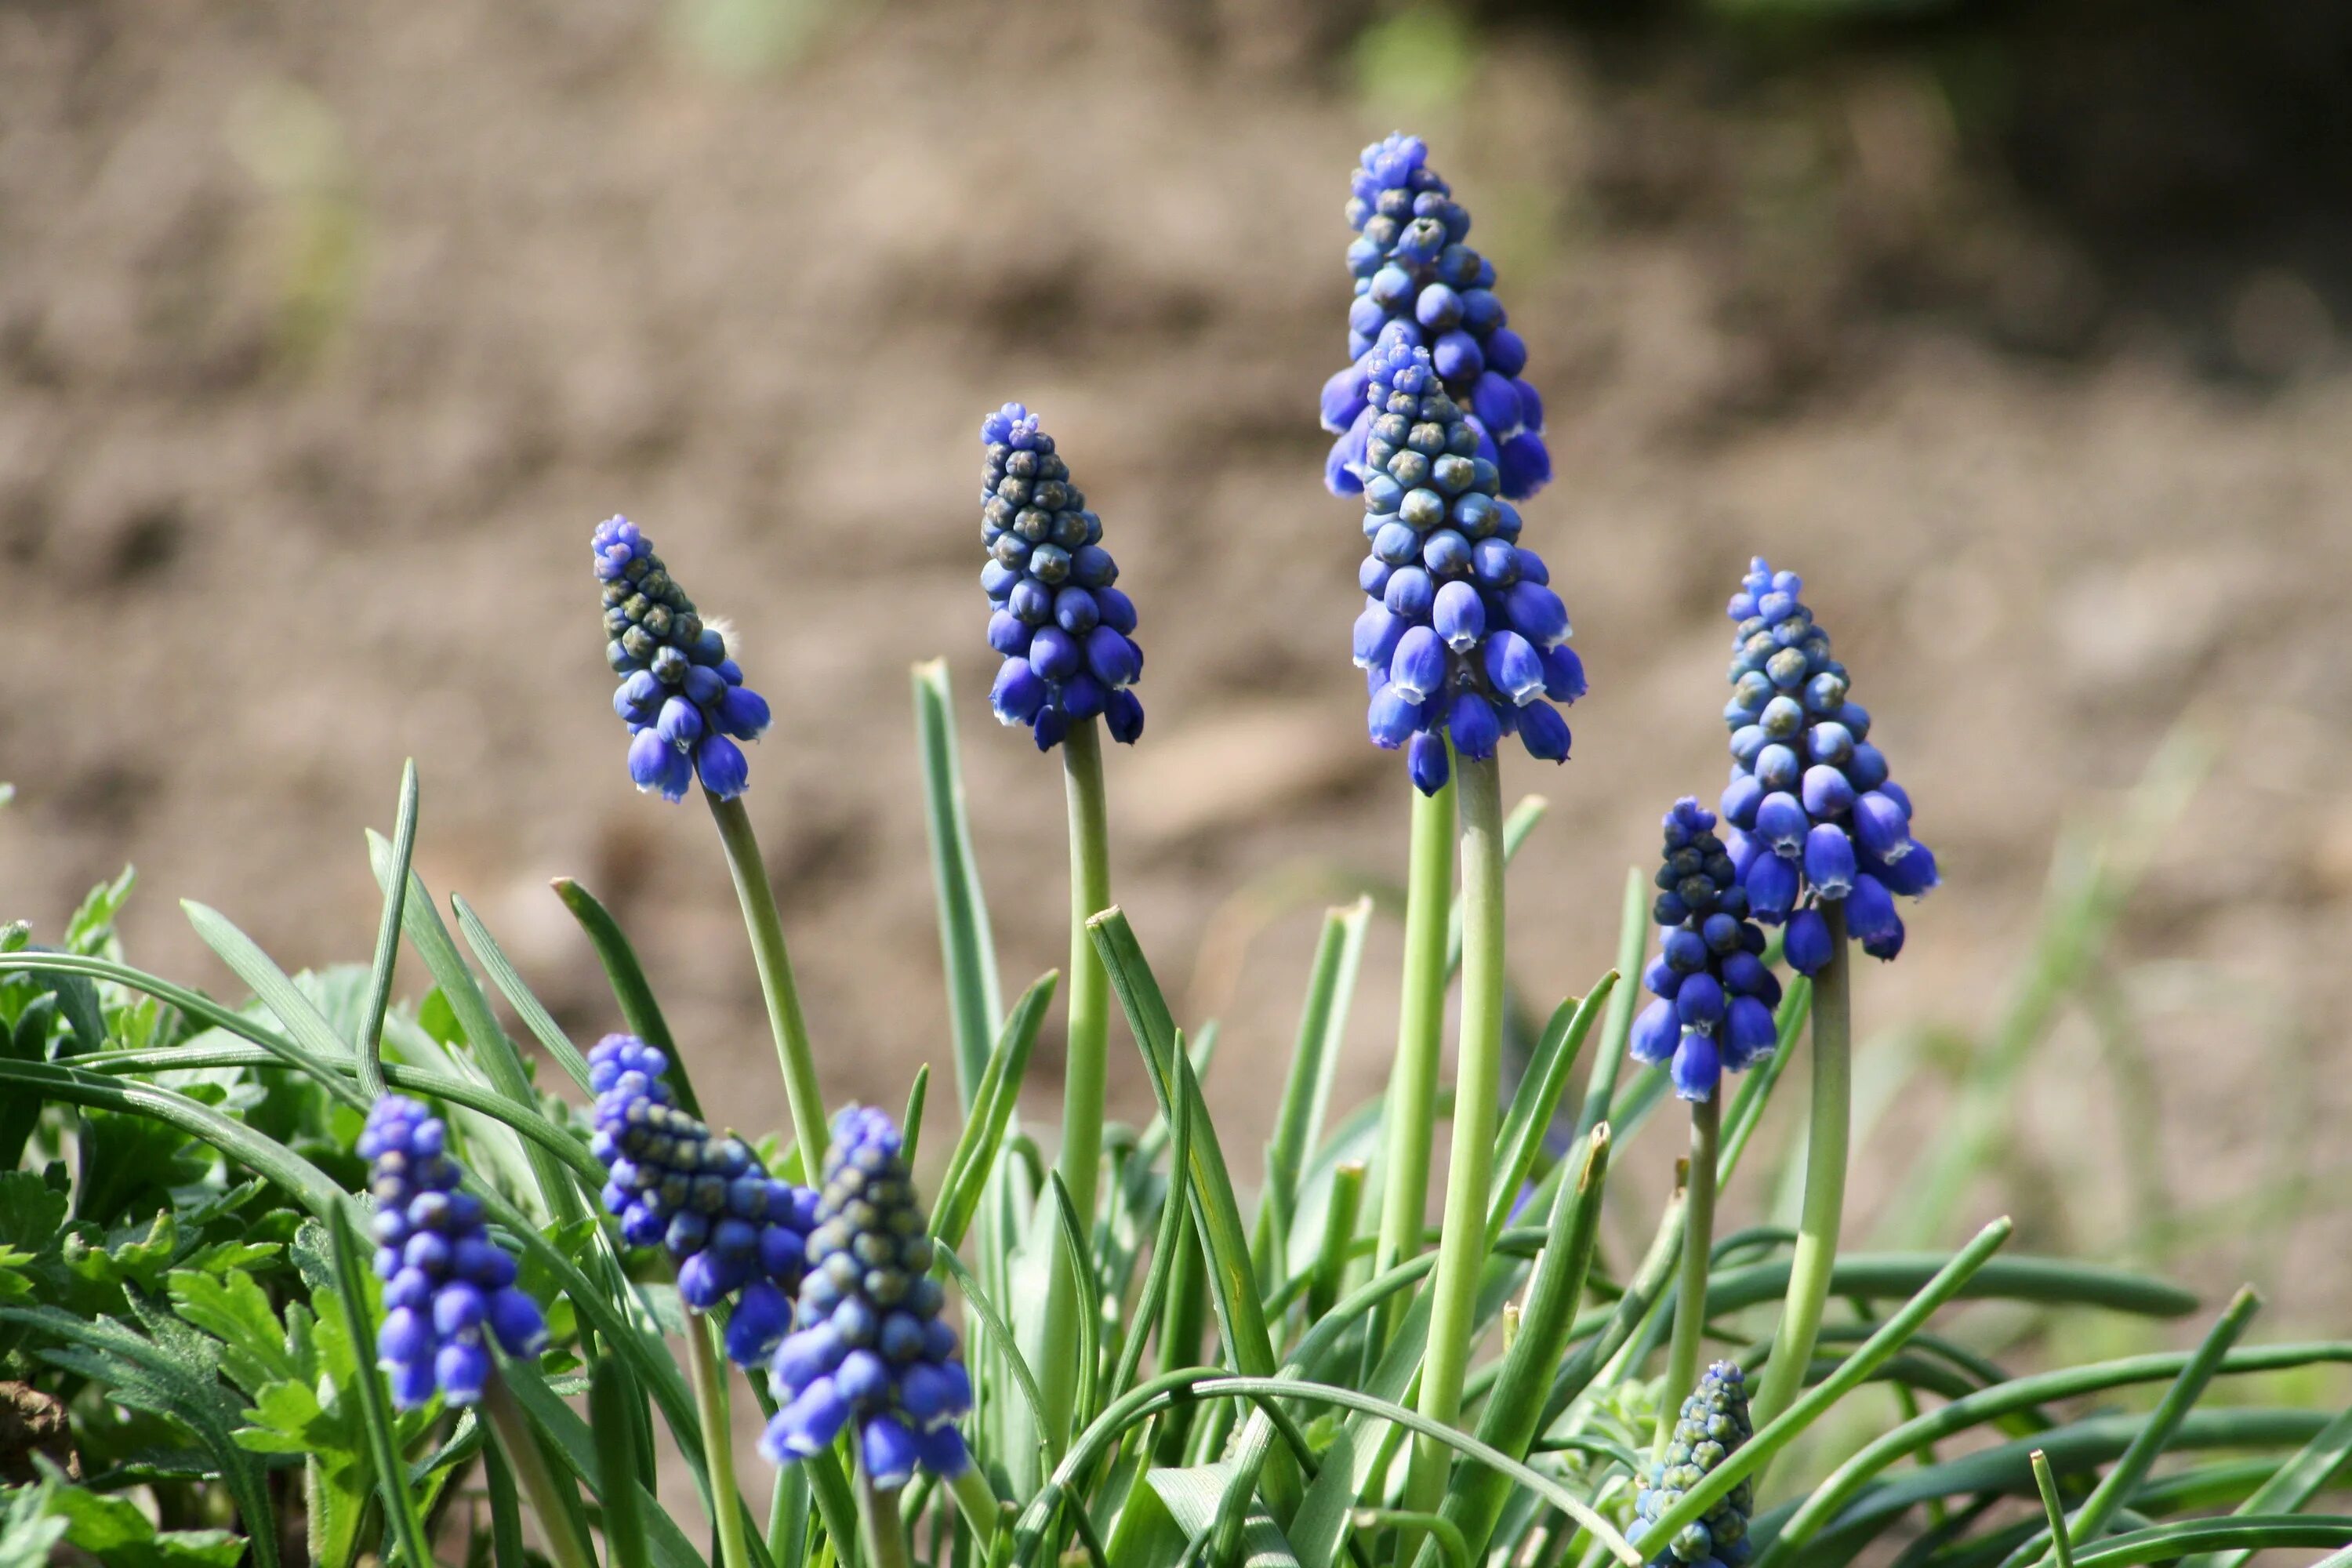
1084	1072
1412	1108
1461	1245
761	918
978	1502
1090	1036
712	1408
1824	1203
1698	1242
878	1528
564	1548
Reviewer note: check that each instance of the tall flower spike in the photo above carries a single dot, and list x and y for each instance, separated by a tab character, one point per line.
870	1349
731	1228
1461	633
1715	996
446	1283
1414	275
681	696
1814	817
1067	636
1713	1425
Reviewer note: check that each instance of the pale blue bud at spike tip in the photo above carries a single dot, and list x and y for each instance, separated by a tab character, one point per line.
1711	1427
1813	816
448	1286
1067	636
1462	634
1416	276
734	1231
1715	996
869	1352
681	696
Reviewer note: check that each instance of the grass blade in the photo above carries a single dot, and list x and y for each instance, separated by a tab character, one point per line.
312	1043
2295	1483
965	1180
1537	1100
387	940
510	981
1313	1060
1002	1333
631	992
610	1398
1082	1278
967	947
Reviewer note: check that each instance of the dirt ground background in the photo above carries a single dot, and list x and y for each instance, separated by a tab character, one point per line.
327	332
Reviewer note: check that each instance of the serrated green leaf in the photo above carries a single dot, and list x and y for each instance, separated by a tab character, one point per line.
235	1310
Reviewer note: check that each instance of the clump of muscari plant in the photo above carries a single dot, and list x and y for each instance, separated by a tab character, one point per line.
1820	823
449	1288
1102	1413
871	1352
1418	279
734	1232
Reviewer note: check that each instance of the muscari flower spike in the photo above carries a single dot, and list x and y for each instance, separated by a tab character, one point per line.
1813	816
731	1228
682	696
1067	636
1461	634
1415	276
1715	996
870	1350
1713	1425
445	1282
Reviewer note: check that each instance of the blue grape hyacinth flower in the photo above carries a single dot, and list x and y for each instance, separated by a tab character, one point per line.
1066	634
871	1352
447	1284
1710	1428
1462	634
1416	277
731	1229
1715	995
1815	820
682	695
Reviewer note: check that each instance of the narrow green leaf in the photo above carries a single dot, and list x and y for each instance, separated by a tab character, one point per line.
910	1125
1512	1415
387	938
967	949
506	1511
510	981
1079	1257
495	1053
631	991
1006	1346
2088	1522
612	1397
2295	1483
376	1400
1314	1061
578	1447
1166	1246
1521	1138
315	1045
1617	1026
966	1177
2165	1542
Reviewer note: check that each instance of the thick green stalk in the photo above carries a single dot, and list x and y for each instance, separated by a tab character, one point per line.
766	926
1825	1157
1411	1114
1698	1242
1089	1037
879	1527
1477	1085
711	1406
564	1548
1083	1077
